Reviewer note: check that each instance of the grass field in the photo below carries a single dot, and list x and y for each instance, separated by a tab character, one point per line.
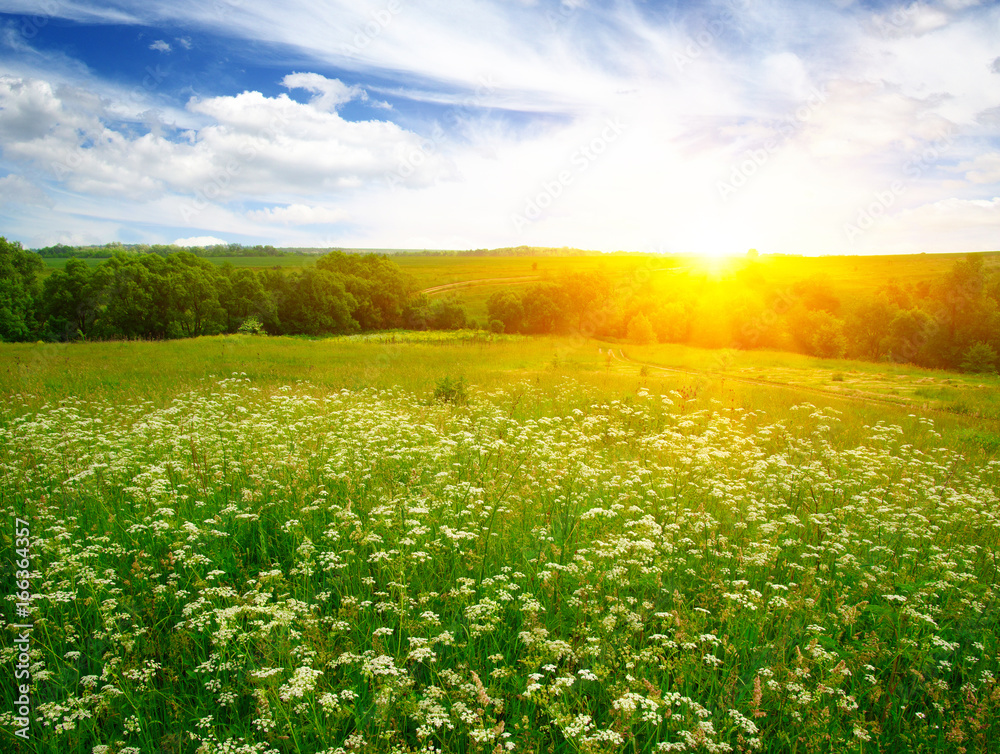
473	279
850	274
243	544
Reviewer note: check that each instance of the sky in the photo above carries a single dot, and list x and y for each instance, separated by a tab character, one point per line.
833	127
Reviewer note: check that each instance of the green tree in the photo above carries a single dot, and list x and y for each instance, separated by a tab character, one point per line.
867	326
278	289
965	311
980	357
817	293
447	314
672	321
753	323
20	292
909	332
583	294
828	342
194	287
817	332
241	295
377	285
69	301
639	330
544	308
318	304
132	297
506	307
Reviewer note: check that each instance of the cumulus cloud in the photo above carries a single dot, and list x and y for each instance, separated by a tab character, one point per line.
200	241
160	46
329	94
482	110
28	108
952	224
251	145
299	214
984	169
16	189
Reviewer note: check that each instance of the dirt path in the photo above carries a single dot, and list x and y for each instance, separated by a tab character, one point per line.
519	279
479	281
869	398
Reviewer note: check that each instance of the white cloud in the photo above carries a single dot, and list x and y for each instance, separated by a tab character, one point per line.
200	241
83	12
329	93
950	224
910	20
984	169
16	189
299	214
29	108
160	46
950	63
891	85
252	145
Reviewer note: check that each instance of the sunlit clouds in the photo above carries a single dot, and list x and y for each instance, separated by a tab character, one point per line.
417	125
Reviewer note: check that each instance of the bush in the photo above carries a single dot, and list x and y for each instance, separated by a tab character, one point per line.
496	326
252	326
447	314
449	390
980	358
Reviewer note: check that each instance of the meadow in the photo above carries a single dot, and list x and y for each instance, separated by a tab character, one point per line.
464	542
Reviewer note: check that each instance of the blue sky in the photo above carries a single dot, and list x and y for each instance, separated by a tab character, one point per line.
706	127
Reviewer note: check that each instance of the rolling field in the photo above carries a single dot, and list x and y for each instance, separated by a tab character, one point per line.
473	279
243	544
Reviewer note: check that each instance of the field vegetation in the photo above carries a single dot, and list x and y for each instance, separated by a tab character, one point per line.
472	542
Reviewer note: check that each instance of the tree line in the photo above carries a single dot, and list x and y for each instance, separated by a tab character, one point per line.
949	323
106	251
179	295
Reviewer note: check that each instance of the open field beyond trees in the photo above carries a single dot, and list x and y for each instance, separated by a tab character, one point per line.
470	542
939	311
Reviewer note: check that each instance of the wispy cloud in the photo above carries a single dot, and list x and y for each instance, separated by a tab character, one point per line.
415	123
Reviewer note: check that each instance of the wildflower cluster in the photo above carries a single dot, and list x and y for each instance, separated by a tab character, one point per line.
258	571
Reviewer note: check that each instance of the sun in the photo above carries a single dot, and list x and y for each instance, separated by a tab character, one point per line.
717	257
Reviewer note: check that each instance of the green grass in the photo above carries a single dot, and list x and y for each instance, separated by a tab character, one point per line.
245	544
849	276
974	395
755	380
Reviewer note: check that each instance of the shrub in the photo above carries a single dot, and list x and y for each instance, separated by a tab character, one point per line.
449	390
447	314
252	326
980	358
